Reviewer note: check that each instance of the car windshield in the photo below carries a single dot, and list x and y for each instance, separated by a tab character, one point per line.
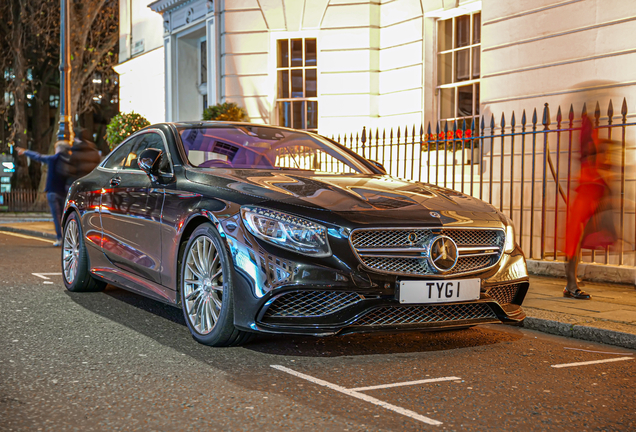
261	147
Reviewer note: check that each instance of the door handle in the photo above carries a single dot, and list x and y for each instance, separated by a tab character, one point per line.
115	181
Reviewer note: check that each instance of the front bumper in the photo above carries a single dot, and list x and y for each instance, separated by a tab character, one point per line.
279	292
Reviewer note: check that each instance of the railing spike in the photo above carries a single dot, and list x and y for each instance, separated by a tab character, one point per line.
584	110
503	121
512	120
483	125
597	112
523	118
391	136
377	137
364	134
571	114
610	110
370	136
445	129
339	139
472	125
398	134
428	129
492	122
624	108
414	132
534	117
559	117
546	115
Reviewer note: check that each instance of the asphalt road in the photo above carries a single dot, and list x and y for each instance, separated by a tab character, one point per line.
117	361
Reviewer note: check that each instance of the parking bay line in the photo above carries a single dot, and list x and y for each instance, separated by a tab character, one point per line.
356	394
406	383
44	275
564	365
28	236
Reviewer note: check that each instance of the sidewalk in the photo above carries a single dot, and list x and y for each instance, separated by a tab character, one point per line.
610	317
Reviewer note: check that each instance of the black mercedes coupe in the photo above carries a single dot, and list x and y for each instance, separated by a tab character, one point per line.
251	228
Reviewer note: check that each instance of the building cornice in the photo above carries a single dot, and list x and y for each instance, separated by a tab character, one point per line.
161	6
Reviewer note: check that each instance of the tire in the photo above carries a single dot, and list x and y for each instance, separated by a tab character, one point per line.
206	290
75	264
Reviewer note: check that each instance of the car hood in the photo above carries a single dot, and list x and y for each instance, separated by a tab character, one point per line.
362	199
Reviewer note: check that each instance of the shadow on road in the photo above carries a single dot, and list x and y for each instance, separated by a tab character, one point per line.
166	325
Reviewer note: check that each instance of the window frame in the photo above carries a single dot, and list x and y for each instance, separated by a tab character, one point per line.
455	84
289	36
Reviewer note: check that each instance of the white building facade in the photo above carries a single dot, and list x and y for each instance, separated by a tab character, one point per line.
337	65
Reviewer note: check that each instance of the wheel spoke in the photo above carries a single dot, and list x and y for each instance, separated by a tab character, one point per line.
195	272
216	275
212	310
217	302
193	294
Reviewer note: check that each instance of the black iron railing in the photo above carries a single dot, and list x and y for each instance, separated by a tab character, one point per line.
23	200
526	169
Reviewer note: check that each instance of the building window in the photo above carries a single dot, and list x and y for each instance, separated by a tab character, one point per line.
297	75
458	67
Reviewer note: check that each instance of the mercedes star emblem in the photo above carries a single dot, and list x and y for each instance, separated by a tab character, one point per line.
443	253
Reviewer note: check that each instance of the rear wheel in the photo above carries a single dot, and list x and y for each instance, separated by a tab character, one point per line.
75	267
206	290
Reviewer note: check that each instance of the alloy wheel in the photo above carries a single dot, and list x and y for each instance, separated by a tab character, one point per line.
71	251
203	285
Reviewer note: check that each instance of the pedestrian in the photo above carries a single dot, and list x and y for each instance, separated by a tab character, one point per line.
591	221
56	187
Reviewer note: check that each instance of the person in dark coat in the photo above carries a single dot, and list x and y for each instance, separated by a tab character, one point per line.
56	187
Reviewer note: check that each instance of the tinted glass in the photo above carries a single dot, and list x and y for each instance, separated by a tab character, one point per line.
476	28
296	52
283	53
260	147
445	35
116	158
310	83
462	31
283	84
310	52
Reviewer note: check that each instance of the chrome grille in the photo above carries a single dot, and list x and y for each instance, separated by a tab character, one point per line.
401	315
368	244
310	303
413	266
398	237
504	294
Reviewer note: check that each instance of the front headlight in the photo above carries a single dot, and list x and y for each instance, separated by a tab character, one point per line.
287	231
510	238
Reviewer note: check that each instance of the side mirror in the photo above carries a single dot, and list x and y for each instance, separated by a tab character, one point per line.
378	165
149	160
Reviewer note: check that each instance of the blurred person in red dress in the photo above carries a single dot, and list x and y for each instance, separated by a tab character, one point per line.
590	222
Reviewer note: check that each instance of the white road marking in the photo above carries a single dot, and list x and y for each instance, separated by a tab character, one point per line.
597	352
406	383
44	275
27	236
361	396
47	282
592	362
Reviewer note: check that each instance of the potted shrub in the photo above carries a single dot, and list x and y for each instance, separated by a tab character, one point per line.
122	126
227	111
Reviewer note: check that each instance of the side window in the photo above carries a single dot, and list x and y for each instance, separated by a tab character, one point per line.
116	159
146	141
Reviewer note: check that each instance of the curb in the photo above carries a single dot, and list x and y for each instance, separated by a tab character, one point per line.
592	334
29	232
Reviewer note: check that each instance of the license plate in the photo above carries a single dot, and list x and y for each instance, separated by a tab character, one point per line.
440	291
